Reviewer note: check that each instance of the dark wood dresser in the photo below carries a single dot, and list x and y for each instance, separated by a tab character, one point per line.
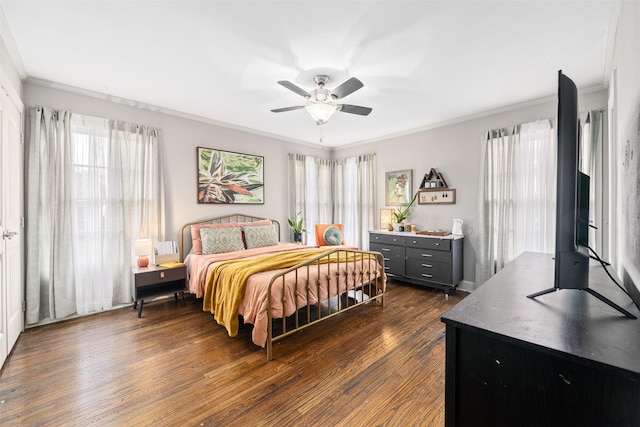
562	359
420	259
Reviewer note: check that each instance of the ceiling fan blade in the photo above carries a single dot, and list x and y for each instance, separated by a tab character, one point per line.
281	110
294	88
354	109
347	88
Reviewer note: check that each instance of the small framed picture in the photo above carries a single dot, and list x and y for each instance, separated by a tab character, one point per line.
386	218
399	187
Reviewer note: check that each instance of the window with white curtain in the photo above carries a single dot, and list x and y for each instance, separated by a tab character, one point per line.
93	187
334	191
516	201
517	197
89	151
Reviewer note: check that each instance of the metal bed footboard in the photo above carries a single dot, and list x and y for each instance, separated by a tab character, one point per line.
363	282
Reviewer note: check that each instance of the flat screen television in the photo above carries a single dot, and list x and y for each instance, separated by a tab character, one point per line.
572	202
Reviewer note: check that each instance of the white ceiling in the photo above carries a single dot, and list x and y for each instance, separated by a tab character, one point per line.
422	63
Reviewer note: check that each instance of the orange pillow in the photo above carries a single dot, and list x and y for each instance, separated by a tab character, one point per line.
320	235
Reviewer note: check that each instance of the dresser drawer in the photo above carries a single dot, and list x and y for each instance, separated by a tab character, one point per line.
388	239
156	276
394	265
428	243
429	255
393	257
387	250
429	270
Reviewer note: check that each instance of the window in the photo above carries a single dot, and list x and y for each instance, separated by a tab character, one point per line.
94	186
517	195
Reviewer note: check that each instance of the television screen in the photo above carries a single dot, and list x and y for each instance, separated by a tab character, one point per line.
572	202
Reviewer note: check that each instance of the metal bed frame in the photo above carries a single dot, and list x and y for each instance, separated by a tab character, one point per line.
360	288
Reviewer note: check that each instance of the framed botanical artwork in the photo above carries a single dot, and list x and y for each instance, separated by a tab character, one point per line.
225	177
398	187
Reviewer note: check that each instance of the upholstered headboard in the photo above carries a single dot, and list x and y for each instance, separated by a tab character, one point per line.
185	232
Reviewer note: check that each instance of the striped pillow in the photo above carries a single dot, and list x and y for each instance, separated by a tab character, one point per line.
221	240
259	236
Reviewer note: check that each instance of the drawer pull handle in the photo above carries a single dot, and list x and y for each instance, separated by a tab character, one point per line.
437	244
395	240
162	274
414	242
427	255
428	275
385	249
387	268
427	265
386	259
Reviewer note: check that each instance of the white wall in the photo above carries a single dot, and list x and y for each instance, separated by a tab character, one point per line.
626	68
454	151
180	138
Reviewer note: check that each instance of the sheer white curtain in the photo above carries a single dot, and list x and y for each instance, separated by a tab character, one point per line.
104	180
318	208
355	197
50	280
516	201
366	185
334	191
297	188
591	164
310	192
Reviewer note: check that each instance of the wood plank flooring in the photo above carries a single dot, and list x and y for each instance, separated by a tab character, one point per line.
175	366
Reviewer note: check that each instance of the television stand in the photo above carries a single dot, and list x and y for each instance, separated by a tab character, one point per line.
568	360
592	292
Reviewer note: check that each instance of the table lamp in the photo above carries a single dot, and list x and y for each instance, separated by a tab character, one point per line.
143	250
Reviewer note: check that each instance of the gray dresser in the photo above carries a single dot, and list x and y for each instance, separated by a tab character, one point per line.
419	259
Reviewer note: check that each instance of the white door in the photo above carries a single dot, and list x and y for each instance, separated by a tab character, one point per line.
11	225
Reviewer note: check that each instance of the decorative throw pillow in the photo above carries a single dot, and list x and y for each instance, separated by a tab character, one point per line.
260	235
332	236
196	242
221	240
321	228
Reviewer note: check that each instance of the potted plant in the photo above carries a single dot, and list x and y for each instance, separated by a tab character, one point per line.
296	225
401	214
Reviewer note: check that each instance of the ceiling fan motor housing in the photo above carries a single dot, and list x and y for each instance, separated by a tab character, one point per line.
321	79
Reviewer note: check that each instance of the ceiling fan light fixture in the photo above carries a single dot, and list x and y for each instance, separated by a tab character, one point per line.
321	113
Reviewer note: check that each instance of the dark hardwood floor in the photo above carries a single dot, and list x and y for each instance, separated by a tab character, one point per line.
175	366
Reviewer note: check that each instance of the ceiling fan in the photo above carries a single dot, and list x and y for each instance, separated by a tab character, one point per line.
321	106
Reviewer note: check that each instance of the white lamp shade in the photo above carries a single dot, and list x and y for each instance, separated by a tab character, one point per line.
320	112
143	247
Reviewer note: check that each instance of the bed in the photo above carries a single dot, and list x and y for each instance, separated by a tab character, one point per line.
240	268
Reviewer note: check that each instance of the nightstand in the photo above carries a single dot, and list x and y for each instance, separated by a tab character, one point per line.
153	281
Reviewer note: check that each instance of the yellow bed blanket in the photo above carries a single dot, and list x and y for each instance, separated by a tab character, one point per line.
225	283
